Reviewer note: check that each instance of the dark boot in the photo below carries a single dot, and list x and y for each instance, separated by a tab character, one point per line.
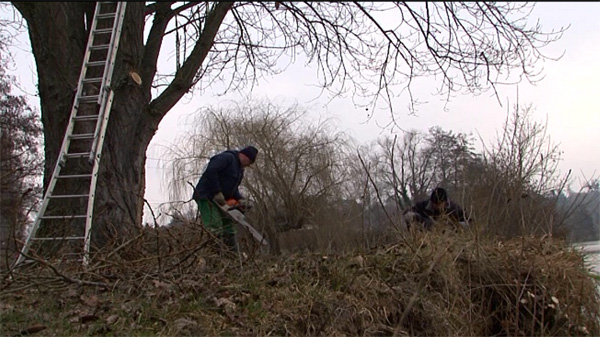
229	240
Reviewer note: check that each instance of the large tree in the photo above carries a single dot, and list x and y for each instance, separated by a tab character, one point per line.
361	47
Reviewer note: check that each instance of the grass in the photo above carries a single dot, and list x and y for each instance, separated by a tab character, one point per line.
423	284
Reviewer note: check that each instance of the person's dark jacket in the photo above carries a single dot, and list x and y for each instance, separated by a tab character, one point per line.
427	214
224	173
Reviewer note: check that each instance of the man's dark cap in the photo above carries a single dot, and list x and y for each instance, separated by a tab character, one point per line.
438	195
250	152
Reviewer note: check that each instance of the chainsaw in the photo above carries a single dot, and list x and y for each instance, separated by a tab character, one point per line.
234	212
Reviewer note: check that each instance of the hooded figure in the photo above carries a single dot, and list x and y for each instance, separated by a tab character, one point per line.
436	208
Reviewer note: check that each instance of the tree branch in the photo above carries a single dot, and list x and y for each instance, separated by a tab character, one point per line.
154	42
184	78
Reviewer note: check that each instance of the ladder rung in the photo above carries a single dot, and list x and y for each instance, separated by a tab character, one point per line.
93	79
74	176
89	99
62	217
86	118
60	238
65	196
106	15
100	47
77	155
103	31
96	63
82	136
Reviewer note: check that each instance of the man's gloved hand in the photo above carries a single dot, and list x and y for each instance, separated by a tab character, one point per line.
411	216
244	205
232	203
428	223
220	199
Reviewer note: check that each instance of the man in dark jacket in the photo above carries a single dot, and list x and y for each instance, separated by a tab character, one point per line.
437	208
219	184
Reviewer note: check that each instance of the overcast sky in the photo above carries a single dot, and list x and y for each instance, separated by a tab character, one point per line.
566	98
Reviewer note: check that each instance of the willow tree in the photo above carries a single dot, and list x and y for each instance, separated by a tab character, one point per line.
371	51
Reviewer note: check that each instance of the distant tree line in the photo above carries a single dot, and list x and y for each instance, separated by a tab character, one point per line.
584	224
309	175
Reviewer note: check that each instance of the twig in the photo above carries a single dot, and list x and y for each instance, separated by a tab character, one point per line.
157	236
124	245
381	201
416	294
67	278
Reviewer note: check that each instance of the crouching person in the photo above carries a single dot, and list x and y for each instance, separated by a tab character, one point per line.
437	208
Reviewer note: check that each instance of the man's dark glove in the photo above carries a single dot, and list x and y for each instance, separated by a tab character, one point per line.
220	199
243	205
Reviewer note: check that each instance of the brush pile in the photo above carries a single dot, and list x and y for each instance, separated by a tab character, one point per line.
176	282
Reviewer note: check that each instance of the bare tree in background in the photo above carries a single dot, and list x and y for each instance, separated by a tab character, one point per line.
296	179
374	51
513	188
450	154
20	165
413	164
406	171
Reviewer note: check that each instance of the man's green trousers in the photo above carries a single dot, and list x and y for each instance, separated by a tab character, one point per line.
215	221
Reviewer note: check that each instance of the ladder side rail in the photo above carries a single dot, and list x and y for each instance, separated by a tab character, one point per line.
93	184
86	58
114	42
42	210
104	111
64	147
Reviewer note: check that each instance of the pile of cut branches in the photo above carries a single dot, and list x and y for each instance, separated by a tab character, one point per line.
178	281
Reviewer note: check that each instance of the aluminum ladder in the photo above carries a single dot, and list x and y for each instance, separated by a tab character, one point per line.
65	215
